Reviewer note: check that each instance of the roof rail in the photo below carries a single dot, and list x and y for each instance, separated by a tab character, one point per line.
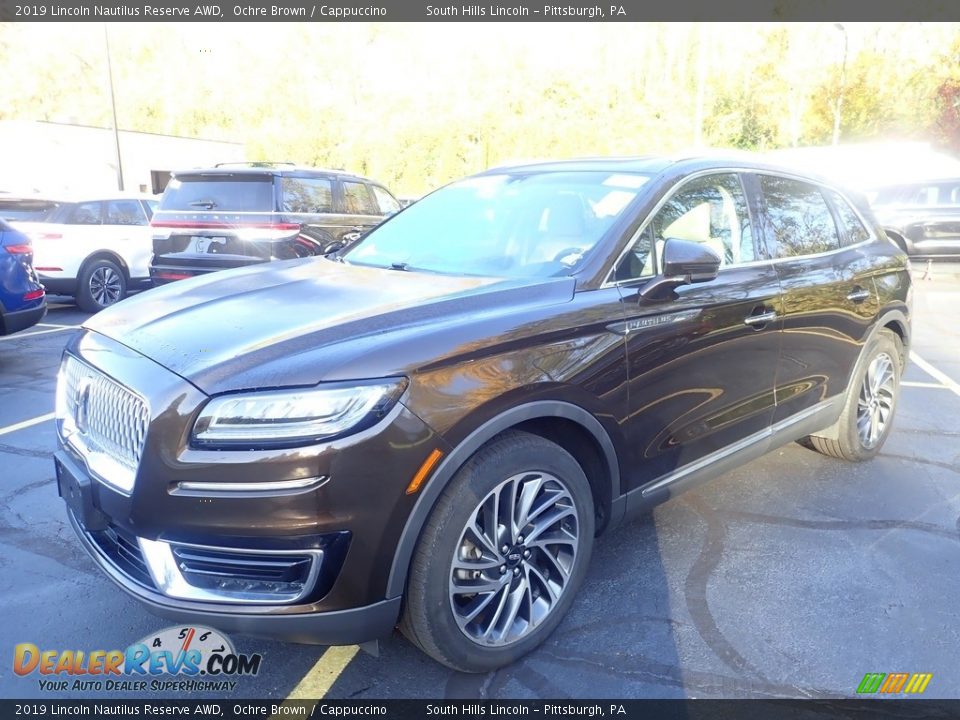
256	163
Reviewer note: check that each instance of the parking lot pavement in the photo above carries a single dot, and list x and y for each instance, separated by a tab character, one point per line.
792	576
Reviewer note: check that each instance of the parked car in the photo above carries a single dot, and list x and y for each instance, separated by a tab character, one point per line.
434	425
22	297
30	207
922	218
96	248
234	216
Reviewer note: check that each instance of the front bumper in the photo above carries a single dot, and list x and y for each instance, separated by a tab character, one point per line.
351	519
339	627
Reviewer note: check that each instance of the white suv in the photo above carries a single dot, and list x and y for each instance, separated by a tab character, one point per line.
95	249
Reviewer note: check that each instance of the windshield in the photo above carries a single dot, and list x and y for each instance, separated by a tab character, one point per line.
524	225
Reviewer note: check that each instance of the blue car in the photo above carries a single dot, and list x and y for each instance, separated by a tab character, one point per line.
22	298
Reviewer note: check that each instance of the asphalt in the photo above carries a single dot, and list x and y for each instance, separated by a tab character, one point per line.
792	576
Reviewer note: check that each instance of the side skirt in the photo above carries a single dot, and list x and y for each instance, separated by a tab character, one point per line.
804	423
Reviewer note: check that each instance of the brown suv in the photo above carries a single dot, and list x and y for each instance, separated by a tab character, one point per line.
235	215
433	427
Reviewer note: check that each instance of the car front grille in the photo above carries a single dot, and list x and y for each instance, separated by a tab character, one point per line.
103	421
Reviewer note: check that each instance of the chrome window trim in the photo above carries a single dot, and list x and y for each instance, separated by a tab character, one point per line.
752	263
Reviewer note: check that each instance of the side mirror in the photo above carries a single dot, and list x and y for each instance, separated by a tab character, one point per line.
334	247
684	262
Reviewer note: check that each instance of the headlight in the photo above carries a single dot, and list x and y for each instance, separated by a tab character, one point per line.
288	418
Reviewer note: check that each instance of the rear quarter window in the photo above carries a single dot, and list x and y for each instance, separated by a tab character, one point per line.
850	222
251	193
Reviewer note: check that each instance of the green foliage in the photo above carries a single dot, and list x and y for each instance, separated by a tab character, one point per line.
418	105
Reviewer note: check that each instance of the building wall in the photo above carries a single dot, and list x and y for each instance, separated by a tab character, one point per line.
55	157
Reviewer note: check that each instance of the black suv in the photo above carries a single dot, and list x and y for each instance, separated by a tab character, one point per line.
923	218
433	426
237	215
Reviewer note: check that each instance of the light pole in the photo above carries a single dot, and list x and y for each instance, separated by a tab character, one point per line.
838	105
113	108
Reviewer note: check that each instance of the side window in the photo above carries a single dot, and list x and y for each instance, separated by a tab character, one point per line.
84	214
358	199
849	220
151	207
125	212
798	218
948	194
306	195
387	202
710	210
921	195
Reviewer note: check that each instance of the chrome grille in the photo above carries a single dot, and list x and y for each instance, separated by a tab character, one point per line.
103	421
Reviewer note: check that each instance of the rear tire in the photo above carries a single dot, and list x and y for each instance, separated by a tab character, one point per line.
101	284
518	483
869	408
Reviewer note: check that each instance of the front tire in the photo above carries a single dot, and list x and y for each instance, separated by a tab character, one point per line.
502	555
867	416
102	284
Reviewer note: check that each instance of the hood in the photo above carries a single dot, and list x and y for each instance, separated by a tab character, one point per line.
294	322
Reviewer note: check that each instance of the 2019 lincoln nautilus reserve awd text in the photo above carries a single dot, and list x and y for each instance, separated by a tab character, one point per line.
432	427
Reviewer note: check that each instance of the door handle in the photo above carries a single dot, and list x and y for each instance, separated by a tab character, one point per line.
858	295
758	321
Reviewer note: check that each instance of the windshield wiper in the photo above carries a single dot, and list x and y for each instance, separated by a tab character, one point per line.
206	204
400	266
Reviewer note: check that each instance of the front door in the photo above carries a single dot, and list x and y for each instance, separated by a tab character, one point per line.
702	363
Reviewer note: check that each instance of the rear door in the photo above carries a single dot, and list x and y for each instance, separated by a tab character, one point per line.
701	364
829	298
126	231
74	231
311	202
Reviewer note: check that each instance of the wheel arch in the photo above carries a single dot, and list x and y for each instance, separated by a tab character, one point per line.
110	255
892	319
569	425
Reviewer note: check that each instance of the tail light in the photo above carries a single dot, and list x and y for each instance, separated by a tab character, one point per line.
19	249
163	275
49	236
34	295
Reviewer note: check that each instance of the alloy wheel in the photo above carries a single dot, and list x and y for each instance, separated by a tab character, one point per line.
875	405
514	559
105	286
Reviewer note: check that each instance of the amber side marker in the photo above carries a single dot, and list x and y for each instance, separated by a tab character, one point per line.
428	465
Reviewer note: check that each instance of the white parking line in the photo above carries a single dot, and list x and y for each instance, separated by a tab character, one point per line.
26	423
936	374
21	336
936	386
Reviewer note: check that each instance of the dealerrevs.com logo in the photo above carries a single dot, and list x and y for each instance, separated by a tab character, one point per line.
206	657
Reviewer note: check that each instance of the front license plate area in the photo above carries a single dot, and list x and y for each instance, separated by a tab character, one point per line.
78	494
